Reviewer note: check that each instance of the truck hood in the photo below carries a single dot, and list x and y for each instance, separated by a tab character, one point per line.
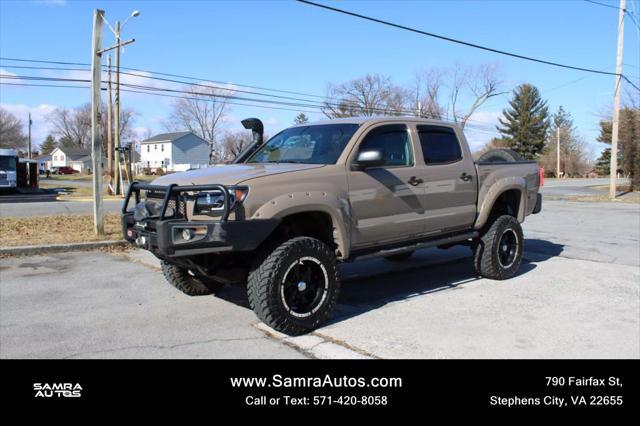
230	174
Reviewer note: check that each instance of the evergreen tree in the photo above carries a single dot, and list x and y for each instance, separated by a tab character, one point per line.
48	145
525	122
628	142
301	119
603	163
67	142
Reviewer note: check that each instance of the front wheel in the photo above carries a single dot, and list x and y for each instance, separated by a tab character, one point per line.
498	254
188	282
294	288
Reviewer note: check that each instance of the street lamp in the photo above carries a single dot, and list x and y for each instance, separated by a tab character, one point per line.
133	15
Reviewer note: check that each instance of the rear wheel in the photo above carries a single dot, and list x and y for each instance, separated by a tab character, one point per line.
498	254
294	288
188	282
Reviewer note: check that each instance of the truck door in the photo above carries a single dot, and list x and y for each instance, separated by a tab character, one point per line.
450	180
386	201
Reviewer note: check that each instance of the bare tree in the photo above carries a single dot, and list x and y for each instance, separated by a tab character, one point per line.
234	143
440	93
372	94
11	134
74	124
426	92
201	112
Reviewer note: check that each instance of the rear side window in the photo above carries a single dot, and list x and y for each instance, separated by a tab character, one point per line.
439	145
394	141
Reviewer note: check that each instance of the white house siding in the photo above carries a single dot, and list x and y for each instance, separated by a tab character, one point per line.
58	158
156	155
183	153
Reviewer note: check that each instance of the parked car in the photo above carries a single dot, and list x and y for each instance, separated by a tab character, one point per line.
65	170
281	218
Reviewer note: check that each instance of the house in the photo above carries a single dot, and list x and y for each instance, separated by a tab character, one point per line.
78	159
44	162
174	152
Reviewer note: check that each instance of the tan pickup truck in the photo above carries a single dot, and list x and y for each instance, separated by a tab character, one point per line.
289	209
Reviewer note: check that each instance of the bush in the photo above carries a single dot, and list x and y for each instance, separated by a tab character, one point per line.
159	171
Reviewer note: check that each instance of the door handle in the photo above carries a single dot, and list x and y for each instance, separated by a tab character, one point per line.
466	177
415	181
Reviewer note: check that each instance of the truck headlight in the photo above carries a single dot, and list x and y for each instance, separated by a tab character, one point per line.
210	203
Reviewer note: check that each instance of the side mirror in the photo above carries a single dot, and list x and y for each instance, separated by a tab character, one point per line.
369	158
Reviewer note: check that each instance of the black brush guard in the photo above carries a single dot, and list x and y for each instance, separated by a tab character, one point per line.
162	234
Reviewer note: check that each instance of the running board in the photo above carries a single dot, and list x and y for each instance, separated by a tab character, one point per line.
367	254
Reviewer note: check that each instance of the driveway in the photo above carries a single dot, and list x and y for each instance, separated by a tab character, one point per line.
576	296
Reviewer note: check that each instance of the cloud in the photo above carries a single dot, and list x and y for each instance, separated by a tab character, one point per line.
39	115
52	2
6	74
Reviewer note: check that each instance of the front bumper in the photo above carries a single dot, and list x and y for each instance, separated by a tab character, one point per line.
162	237
162	234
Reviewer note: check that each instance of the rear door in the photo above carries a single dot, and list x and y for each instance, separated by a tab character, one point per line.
387	201
450	180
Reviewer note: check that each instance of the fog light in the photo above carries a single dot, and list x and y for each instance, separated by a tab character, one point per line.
187	234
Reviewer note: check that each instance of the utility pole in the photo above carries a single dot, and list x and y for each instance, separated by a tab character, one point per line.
558	154
96	142
613	169
116	136
109	128
30	123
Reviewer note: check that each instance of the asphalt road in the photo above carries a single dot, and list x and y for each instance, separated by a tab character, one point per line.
572	187
553	188
54	207
576	296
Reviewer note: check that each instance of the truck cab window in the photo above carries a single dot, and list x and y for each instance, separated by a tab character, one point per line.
394	140
439	145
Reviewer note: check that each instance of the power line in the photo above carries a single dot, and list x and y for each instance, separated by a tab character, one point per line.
149	90
166	75
306	104
453	40
154	94
602	4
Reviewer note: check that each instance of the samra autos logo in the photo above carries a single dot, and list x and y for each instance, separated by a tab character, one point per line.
57	390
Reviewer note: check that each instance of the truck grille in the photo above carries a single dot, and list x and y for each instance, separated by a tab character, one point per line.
158	198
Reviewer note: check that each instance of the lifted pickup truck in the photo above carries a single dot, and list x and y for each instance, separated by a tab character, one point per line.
288	210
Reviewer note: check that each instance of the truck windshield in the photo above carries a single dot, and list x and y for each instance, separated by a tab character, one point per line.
8	164
319	144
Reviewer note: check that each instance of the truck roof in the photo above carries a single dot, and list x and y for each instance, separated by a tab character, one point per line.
379	119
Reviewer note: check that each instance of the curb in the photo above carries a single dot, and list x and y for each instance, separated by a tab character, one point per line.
59	248
85	199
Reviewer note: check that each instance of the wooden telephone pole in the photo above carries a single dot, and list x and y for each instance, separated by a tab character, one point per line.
109	128
96	139
30	123
558	152
613	169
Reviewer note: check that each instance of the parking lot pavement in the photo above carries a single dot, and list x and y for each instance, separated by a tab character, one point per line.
101	305
576	296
